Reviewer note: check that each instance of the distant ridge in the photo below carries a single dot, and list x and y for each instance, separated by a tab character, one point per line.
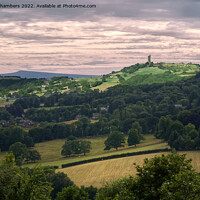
32	74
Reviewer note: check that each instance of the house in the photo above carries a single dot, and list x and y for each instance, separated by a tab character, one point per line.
104	108
26	123
77	117
178	106
5	123
96	115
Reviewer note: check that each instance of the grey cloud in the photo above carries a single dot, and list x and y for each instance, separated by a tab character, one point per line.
96	63
136	9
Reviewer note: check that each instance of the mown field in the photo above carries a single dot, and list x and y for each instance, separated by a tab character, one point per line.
100	172
105	86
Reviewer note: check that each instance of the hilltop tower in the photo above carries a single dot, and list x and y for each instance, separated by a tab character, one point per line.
149	59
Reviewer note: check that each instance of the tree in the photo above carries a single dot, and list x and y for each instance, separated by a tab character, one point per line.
157	170
184	185
92	191
67	148
116	139
59	181
8	176
19	150
5	115
74	146
15	110
72	193
163	126
120	189
28	141
85	146
33	155
16	183
133	137
160	178
137	126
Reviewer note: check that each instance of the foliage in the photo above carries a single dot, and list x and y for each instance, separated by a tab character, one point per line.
72	193
92	191
33	155
5	115
156	171
85	146
20	151
59	181
116	139
13	134
75	147
120	189
16	183
178	135
184	185
133	137
165	177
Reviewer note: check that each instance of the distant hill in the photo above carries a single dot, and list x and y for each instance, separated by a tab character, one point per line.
32	74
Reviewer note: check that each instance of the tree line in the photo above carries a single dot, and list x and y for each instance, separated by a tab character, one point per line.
182	131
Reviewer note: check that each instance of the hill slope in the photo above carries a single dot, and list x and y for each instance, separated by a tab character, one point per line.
32	74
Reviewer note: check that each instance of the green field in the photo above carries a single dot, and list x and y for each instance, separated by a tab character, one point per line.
51	151
152	70
178	71
64	84
105	86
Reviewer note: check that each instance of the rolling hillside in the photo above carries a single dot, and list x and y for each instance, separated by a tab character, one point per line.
32	74
137	74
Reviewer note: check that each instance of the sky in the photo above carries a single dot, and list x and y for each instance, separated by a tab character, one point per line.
97	40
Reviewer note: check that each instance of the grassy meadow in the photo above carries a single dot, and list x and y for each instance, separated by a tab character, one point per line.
105	86
51	150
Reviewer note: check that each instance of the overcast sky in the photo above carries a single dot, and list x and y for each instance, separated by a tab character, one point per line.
97	40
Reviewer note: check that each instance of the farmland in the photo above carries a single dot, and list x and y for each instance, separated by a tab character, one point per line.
128	74
51	151
98	173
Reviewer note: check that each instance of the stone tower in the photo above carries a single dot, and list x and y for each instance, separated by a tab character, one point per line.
149	59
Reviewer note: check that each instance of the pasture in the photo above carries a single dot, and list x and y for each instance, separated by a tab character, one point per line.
51	150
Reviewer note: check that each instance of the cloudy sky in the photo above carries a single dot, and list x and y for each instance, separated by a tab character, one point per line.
97	40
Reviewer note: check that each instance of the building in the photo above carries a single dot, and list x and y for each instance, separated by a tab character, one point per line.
149	59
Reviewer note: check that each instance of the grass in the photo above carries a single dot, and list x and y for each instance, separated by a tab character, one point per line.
195	156
179	69
3	103
75	120
98	173
153	70
70	122
47	108
51	151
105	86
